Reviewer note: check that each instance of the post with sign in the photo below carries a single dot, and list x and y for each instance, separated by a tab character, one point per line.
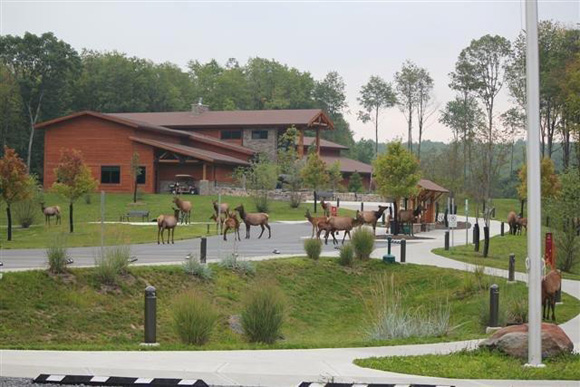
466	222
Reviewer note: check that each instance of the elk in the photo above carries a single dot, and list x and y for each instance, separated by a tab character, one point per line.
551	283
184	207
232	222
50	212
410	216
342	223
325	207
512	220
314	222
372	217
220	220
522	223
222	208
255	219
169	223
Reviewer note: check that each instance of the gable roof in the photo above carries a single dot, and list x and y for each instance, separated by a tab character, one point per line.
430	186
348	165
185	150
323	143
288	117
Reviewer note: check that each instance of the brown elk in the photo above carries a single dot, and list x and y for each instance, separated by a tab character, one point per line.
342	223
221	220
512	220
232	222
255	219
372	217
325	207
50	212
522	223
314	221
169	223
184	207
221	208
551	283
410	216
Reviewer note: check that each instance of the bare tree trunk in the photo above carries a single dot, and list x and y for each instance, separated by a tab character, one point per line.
70	217
9	219
377	132
410	129
565	145
33	117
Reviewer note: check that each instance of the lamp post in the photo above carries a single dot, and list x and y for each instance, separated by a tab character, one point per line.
534	193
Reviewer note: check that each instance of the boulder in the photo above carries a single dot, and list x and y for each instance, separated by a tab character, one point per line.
513	340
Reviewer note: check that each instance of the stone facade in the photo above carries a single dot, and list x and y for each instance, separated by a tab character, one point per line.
267	146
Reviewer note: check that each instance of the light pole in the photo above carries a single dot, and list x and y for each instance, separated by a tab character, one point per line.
534	194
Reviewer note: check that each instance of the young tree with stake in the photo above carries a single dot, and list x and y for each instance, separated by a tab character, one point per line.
73	179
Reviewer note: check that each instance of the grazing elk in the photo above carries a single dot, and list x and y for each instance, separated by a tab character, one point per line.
50	212
232	222
342	223
551	283
325	207
522	223
512	220
314	221
372	217
222	208
255	219
184	207
169	223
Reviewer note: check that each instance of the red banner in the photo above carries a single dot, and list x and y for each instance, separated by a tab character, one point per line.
333	210
549	250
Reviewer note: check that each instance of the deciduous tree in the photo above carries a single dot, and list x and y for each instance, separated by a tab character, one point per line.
315	173
73	179
355	182
549	180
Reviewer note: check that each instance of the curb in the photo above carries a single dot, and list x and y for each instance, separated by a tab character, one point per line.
92	380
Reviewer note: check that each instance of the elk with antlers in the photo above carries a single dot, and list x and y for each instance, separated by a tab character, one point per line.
50	212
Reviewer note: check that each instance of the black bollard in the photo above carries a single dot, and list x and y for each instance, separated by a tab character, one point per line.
446	240
512	268
403	250
203	250
337	202
207	232
485	241
476	237
494	305
362	206
389	239
502	229
150	315
315	200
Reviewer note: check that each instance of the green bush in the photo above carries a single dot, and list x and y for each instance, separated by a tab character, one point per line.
363	242
26	212
194	267
57	255
346	255
231	262
313	248
113	263
263	314
262	202
194	318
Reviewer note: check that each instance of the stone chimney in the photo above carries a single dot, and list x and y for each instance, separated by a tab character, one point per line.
199	108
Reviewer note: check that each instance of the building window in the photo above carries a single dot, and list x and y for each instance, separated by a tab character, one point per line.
142	178
231	134
259	134
111	175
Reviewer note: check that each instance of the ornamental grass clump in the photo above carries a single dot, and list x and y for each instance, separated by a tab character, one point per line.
193	266
363	242
346	255
112	263
389	317
231	262
57	255
313	248
263	314
194	318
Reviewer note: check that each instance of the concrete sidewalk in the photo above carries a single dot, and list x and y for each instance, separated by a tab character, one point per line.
277	367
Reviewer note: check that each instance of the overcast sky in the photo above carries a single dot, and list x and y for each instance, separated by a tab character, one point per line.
357	39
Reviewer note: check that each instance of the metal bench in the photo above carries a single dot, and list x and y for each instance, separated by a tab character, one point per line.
143	214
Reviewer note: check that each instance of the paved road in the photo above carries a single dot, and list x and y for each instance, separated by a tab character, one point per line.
263	367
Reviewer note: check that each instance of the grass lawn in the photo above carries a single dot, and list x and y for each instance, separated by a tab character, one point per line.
499	250
325	305
88	234
477	364
502	208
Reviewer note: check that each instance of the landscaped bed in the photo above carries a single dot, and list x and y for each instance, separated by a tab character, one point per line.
500	249
477	364
327	304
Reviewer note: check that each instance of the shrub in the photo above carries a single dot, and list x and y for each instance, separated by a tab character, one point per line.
88	198
193	318
113	263
26	212
231	262
262	202
263	314
346	255
363	242
194	267
568	248
57	255
313	248
390	318
475	281
295	199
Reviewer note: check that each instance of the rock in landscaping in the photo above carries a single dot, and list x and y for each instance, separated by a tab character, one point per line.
236	324
513	340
